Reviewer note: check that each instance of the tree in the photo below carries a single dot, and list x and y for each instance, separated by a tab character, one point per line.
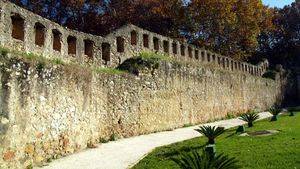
230	27
282	44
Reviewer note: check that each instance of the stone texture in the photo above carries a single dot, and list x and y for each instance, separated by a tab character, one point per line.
53	111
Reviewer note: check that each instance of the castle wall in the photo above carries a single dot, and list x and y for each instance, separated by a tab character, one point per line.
48	112
111	57
52	111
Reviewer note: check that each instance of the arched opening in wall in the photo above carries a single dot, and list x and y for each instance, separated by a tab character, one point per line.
174	46
146	40
89	48
235	65
56	40
182	50
133	37
166	46
105	52
71	40
197	54
224	62
156	43
17	27
39	34
232	65
190	50
120	44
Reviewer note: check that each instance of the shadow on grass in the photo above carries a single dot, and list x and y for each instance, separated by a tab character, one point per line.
169	154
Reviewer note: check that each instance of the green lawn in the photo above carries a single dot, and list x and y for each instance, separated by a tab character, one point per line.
281	151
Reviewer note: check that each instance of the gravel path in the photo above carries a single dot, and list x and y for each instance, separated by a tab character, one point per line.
125	153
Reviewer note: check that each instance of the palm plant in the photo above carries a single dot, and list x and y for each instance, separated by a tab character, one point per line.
275	112
250	117
211	132
194	160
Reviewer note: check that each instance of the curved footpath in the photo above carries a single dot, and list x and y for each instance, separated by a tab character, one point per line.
125	153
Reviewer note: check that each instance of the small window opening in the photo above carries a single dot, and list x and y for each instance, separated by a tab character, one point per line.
197	54
146	40
120	44
133	35
105	52
39	34
71	40
17	27
174	46
89	48
208	57
156	43
56	40
190	51
166	46
214	58
182	50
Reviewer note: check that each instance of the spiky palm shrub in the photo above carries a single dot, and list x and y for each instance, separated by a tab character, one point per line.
211	132
275	112
250	117
194	160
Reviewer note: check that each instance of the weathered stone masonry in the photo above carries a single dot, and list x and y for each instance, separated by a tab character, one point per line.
52	112
48	112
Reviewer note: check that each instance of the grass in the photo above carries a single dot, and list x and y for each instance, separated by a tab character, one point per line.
41	62
279	151
109	71
155	56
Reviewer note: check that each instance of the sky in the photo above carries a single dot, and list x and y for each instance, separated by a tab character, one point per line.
277	3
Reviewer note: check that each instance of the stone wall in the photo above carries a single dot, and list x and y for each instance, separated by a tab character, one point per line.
51	111
48	111
25	31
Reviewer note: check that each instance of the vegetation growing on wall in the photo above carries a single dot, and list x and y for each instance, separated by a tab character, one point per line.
145	61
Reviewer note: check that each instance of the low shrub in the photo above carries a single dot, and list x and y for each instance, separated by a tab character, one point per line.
250	117
275	112
211	132
195	160
145	61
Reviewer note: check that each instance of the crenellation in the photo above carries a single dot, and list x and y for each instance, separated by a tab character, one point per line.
25	31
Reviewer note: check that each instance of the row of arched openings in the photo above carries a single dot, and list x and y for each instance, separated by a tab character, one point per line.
18	32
